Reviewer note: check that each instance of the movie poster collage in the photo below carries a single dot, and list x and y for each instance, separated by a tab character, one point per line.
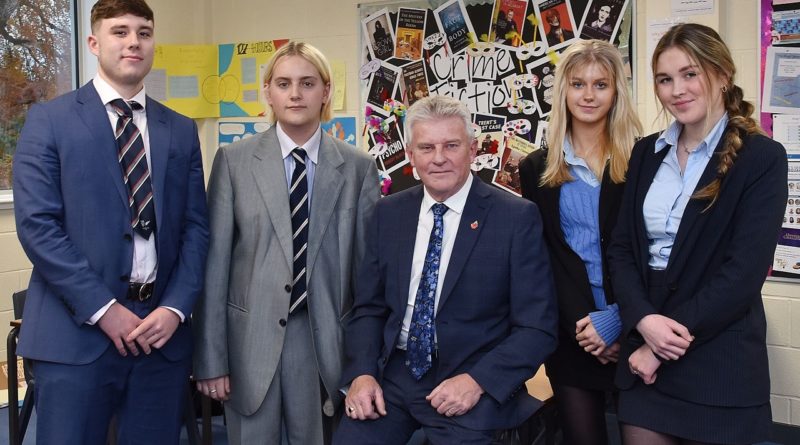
498	57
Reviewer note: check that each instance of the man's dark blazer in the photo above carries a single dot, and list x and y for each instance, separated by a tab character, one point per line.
496	316
73	222
714	276
570	364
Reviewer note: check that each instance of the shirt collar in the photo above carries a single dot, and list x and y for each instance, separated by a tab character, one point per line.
454	203
569	154
669	137
311	146
107	93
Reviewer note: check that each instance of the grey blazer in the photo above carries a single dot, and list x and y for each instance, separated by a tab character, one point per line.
238	327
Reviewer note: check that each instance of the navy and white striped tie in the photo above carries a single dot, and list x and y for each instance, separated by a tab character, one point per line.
298	203
135	172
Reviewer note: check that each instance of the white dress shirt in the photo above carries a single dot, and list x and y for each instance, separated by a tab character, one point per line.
451	219
145	258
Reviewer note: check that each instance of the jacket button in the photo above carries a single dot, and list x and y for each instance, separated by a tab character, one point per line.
384	360
282	322
127	237
124	278
673	287
287	288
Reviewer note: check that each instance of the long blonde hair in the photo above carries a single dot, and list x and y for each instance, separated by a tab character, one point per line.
705	47
622	124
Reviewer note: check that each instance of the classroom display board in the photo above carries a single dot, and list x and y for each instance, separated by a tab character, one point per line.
498	57
211	80
780	116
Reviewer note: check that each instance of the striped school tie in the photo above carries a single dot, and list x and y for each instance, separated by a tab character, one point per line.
135	172
298	203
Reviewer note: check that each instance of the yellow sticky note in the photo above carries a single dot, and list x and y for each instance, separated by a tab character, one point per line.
339	83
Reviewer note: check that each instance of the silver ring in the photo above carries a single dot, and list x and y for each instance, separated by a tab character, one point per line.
350	409
635	372
212	390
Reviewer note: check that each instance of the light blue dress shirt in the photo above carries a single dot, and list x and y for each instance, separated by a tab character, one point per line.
671	189
311	147
579	204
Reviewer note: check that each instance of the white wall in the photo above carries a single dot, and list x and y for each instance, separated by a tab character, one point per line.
333	26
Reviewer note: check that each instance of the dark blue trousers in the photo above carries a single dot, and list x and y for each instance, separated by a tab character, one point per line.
407	411
75	403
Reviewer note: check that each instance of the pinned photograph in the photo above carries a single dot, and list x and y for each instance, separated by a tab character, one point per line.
379	34
602	19
453	20
544	72
491	139
382	87
410	33
508	18
541	135
388	147
556	22
507	177
414	83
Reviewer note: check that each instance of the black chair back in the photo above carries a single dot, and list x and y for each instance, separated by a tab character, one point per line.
19	303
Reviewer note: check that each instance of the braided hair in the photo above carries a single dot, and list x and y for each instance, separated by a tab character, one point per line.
704	46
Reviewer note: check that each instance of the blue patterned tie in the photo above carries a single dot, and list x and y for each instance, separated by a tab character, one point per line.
420	333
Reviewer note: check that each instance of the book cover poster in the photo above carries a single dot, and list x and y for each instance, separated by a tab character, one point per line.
453	20
508	18
379	34
410	33
414	83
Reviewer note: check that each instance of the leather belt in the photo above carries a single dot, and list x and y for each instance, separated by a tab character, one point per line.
140	291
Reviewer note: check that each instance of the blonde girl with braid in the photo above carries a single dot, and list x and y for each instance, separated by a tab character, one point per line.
694	240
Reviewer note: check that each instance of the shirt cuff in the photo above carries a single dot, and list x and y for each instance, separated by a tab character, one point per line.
99	314
177	312
607	323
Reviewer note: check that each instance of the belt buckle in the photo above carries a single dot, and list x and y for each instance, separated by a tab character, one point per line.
142	291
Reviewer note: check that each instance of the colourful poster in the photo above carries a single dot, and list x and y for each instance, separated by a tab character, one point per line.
184	78
342	128
241	68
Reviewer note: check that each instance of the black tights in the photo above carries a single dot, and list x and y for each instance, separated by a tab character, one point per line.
581	415
636	435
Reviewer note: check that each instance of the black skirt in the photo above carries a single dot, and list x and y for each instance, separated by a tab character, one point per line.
647	407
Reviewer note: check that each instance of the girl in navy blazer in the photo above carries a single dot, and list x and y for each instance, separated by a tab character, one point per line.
696	234
577	184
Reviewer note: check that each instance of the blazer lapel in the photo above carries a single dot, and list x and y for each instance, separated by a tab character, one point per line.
651	161
694	207
406	220
270	177
158	133
476	207
550	198
328	182
607	190
95	117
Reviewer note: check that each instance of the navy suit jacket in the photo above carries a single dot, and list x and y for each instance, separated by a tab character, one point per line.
496	316
715	272
73	221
